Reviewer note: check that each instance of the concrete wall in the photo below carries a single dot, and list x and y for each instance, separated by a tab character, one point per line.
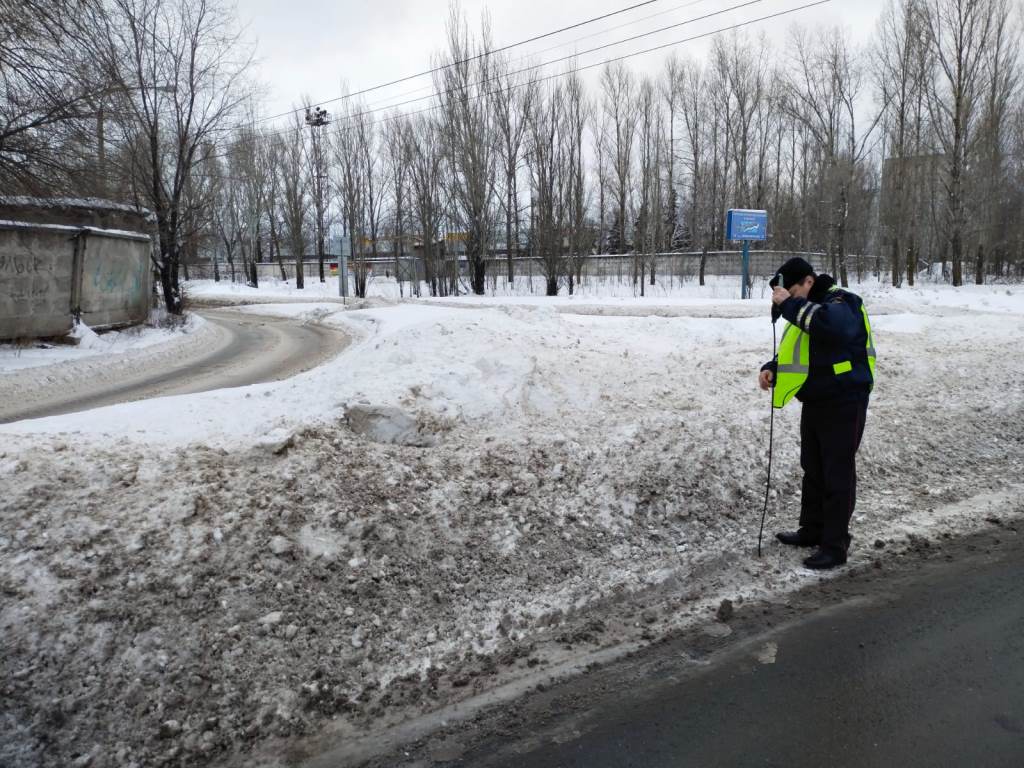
116	280
36	267
50	273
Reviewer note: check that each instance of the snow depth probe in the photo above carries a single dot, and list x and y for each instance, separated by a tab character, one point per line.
776	314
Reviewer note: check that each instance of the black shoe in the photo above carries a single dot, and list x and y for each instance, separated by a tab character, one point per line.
824	559
801	538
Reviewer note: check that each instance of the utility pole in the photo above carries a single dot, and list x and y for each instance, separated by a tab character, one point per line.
102	185
101	153
316	119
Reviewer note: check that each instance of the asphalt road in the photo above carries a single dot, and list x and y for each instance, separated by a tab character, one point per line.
924	667
249	349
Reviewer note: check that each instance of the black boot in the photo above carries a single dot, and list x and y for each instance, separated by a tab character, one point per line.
824	559
800	538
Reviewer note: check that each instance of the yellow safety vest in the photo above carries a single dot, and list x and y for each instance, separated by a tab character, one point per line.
793	361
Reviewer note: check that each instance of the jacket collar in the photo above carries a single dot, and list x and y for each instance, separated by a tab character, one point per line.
822	285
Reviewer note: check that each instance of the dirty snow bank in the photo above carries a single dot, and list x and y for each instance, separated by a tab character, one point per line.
261	572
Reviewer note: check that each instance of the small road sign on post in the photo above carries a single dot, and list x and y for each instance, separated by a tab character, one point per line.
746	225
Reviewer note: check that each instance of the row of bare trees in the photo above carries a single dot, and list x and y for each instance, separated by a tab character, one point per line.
125	99
910	148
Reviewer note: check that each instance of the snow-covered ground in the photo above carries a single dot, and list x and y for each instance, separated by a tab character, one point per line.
33	375
610	292
84	343
471	482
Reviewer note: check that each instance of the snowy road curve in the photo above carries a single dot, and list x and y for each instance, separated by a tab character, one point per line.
240	349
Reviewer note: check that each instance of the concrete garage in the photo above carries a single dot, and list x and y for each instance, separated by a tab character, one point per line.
64	260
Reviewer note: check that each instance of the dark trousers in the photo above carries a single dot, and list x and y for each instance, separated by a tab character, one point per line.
830	434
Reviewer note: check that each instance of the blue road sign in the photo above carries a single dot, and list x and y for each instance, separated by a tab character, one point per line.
741	224
746	225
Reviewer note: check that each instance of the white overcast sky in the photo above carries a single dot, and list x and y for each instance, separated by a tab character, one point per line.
311	47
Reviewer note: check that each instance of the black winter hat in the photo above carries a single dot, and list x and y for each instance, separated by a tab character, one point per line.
793	271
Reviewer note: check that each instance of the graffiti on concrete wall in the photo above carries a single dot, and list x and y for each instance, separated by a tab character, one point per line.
13	264
34	292
112	276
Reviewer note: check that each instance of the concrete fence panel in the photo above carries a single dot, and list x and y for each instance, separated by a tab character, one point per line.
50	274
115	278
36	277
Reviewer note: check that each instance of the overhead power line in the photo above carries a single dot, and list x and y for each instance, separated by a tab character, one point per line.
574	70
383	102
652	49
569	57
432	94
508	47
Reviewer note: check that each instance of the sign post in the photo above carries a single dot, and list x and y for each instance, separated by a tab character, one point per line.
746	225
343	274
342	268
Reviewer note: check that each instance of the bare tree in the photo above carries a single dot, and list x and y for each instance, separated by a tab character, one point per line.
249	168
225	218
179	70
691	86
290	150
619	105
468	116
743	67
513	99
425	174
960	32
578	111
546	166
671	93
199	202
351	190
901	68
1015	173
372	197
52	97
398	154
823	93
603	173
273	202
649	204
1002	75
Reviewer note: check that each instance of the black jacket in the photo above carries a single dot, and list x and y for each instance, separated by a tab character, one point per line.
834	322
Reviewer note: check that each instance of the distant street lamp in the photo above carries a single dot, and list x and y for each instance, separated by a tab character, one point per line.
316	119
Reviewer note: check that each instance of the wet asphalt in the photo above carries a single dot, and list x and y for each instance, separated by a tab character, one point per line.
925	668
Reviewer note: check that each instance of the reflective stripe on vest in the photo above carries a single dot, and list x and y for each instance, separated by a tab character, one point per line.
870	345
793	361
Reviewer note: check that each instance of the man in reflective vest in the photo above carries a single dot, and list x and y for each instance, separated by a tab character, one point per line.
826	360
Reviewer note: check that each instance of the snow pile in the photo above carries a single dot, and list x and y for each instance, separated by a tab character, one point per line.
86	338
464	493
